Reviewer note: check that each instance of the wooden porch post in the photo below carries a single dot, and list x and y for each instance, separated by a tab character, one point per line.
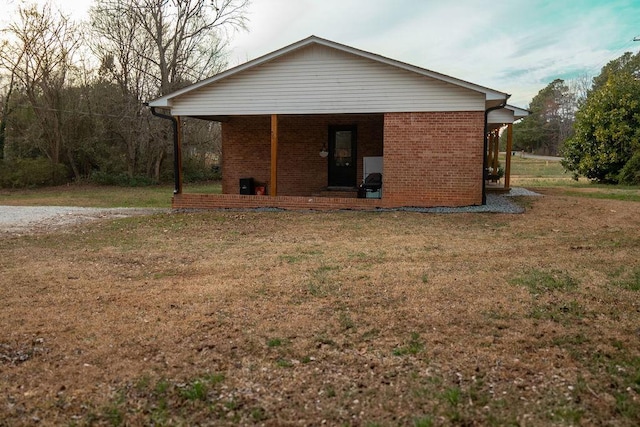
273	191
178	155
507	166
490	154
496	149
490	150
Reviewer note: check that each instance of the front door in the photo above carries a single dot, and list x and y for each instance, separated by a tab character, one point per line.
342	156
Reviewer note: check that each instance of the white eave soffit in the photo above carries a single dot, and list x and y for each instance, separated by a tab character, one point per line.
506	115
518	112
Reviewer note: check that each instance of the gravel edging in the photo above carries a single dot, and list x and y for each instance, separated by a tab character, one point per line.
519	191
496	203
25	219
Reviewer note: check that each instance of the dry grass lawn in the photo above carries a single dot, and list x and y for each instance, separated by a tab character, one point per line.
343	318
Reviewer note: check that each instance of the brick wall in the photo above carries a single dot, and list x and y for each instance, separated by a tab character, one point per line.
430	159
246	150
433	159
236	201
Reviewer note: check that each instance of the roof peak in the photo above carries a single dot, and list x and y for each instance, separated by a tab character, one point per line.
491	94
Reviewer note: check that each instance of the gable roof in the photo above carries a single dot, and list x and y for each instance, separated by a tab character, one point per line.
489	97
506	115
518	113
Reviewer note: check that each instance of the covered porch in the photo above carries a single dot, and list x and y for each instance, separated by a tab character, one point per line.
499	122
295	162
300	155
318	161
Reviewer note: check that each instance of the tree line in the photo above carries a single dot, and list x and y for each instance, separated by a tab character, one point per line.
594	125
72	93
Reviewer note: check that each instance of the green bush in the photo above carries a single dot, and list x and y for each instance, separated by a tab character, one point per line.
28	173
194	170
607	130
120	179
630	173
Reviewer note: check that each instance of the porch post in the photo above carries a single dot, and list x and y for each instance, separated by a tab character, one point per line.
496	149
507	166
490	152
178	156
273	191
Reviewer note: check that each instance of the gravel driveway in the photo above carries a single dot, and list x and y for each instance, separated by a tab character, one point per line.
25	219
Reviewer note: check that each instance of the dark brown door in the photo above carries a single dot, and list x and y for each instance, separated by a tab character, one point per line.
342	156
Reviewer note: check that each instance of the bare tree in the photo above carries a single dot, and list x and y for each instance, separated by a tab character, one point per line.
122	82
151	47
38	51
6	112
580	87
188	36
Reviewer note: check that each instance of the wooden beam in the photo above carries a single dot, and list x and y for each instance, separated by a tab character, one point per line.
496	149
221	119
507	166
489	153
179	155
273	191
493	156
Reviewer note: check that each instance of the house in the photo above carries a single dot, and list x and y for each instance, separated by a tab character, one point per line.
307	124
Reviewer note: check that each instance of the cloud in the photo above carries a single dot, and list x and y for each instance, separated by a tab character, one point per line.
513	46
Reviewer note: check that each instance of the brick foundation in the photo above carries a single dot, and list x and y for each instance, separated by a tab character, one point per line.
235	201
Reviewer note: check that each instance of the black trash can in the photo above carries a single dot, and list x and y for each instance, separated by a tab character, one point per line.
246	186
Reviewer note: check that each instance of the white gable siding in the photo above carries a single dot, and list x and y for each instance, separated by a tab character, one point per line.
317	80
502	115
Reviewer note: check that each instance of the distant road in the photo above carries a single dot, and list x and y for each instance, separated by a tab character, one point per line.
535	156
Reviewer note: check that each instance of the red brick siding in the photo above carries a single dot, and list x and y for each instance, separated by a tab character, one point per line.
430	159
433	159
246	150
235	201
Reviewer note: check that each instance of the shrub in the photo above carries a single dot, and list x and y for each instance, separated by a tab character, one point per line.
606	130
120	179
194	170
28	173
630	173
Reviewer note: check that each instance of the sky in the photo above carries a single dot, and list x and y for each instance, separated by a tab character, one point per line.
514	46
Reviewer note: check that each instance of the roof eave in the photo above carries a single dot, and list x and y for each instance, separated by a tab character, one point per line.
518	112
163	102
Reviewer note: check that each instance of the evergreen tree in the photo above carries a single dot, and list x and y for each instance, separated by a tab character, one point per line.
607	128
549	124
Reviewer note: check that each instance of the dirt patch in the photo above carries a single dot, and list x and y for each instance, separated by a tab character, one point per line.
39	219
287	318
